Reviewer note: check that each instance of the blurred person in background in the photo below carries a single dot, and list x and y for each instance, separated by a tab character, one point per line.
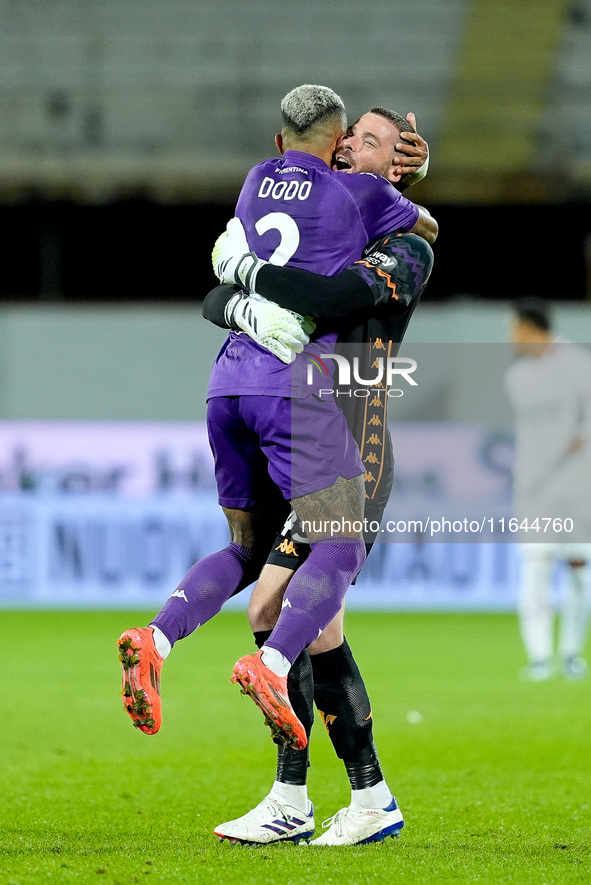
549	389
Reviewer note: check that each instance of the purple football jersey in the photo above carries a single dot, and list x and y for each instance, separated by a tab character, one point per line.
296	211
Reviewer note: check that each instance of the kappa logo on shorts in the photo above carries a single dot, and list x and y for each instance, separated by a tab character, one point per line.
287	546
286	604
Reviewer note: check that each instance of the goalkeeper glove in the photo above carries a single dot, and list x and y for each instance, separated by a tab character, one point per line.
232	260
278	330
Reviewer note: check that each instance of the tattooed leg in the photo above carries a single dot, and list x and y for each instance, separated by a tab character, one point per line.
316	592
335	511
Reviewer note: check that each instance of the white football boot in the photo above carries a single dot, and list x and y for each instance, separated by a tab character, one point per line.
356	825
270	821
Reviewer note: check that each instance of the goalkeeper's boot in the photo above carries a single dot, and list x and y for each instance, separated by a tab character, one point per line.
355	825
269	692
140	666
270	821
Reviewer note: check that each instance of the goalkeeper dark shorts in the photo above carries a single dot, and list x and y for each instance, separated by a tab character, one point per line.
292	548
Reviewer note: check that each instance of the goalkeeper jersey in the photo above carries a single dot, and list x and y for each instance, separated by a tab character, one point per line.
396	268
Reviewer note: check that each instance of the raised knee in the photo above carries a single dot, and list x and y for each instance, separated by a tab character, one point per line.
354	555
263	614
346	554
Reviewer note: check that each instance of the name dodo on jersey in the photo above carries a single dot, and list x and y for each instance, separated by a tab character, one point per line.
284	190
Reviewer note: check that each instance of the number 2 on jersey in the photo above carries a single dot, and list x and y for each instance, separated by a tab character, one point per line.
289	232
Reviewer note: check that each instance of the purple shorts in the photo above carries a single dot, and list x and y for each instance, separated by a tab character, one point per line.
304	445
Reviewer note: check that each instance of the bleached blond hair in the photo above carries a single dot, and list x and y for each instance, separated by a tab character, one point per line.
308	105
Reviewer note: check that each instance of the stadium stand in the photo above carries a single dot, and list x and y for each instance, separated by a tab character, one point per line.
566	124
147	109
508	50
99	97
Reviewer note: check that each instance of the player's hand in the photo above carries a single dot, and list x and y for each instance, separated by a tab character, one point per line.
411	160
282	332
232	261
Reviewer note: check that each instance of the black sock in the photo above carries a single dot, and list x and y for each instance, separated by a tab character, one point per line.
260	637
343	704
292	765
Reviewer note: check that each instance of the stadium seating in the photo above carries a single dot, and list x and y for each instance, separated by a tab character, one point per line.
153	93
159	89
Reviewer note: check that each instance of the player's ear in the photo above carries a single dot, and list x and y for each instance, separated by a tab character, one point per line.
279	143
392	176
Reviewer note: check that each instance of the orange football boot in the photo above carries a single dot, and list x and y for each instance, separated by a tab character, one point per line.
269	692
140	666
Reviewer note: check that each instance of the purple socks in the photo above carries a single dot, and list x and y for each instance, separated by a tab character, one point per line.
205	588
312	599
315	594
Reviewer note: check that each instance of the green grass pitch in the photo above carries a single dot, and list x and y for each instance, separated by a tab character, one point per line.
494	779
